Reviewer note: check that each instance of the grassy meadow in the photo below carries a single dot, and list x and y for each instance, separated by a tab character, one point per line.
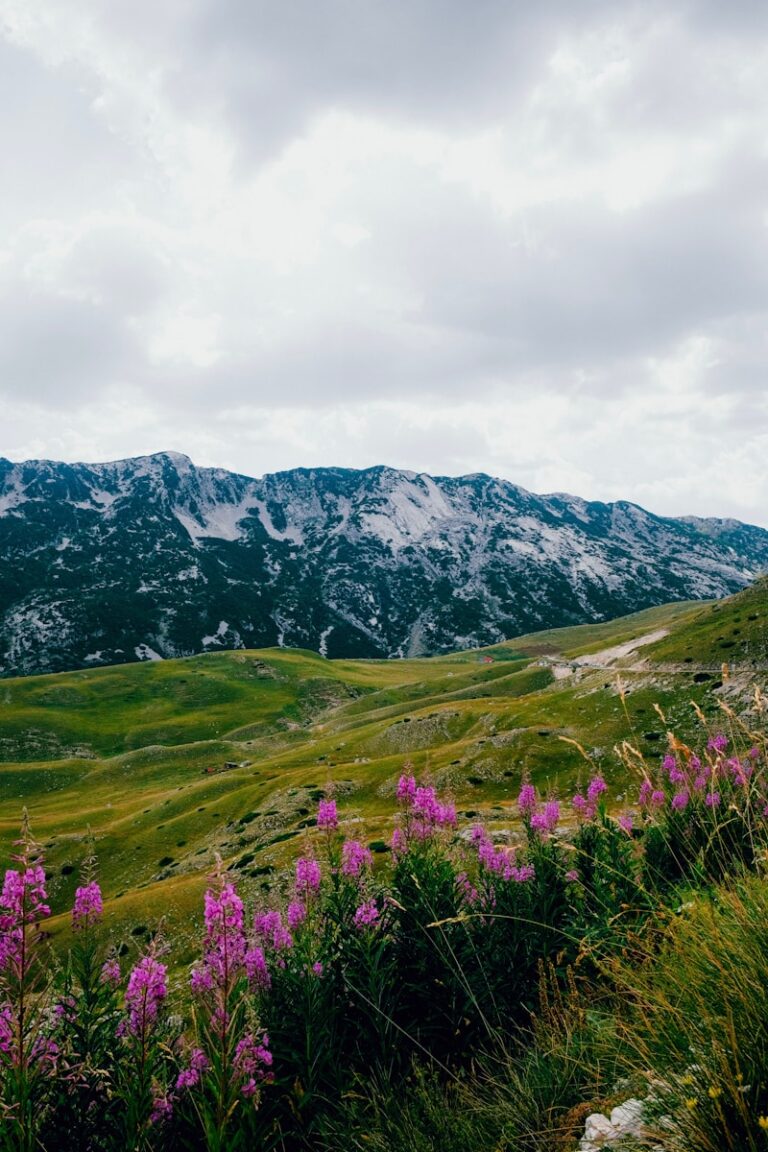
416	936
166	763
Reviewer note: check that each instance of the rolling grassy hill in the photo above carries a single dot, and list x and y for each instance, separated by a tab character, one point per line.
169	762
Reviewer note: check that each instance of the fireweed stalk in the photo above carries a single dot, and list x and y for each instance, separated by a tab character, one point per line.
86	1014
141	1071
230	1057
28	1052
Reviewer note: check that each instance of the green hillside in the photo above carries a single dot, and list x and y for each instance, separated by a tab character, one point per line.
169	762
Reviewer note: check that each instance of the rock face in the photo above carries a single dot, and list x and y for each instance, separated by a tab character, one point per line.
153	557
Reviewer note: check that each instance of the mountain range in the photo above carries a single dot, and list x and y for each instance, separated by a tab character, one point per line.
153	557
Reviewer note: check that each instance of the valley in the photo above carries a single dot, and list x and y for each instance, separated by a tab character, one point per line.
167	763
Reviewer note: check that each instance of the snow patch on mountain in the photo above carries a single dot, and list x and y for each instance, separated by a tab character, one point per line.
144	652
153	551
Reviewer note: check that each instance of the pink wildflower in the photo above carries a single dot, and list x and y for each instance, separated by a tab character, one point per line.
658	798
366	914
256	970
110	972
354	857
468	891
625	822
145	993
712	799
551	814
398	843
268	926
252	1062
526	800
224	945
596	788
680	801
327	816
162	1110
296	914
406	789
307	876
88	907
23	901
190	1077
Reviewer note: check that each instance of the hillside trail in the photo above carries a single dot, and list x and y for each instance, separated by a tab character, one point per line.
613	658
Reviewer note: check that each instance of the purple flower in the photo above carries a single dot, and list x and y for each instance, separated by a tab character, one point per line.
625	823
190	1077
224	944
296	914
354	857
23	901
551	814
268	926
65	1010
572	876
399	844
680	801
712	799
658	798
522	875
492	858
669	763
366	914
546	821
468	891
646	790
187	1078
718	743
162	1109
110	972
327	816
252	1062
596	788
583	809
526	800
317	968
46	1051
88	907
145	993
256	970
406	789
307	876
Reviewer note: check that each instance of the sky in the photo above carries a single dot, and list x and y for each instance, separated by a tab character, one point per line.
526	239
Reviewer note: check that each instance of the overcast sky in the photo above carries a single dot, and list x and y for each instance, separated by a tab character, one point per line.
527	239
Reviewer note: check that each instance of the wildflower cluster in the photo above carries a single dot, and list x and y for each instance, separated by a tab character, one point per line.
359	961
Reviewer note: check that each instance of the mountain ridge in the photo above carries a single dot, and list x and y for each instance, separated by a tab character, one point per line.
151	557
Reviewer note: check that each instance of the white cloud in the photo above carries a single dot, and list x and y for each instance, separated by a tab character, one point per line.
529	242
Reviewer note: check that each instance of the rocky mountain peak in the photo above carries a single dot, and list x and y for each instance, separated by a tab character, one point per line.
154	557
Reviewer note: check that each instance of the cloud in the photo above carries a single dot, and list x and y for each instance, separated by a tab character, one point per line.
522	239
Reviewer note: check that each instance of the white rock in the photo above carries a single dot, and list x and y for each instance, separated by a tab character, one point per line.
598	1131
628	1117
